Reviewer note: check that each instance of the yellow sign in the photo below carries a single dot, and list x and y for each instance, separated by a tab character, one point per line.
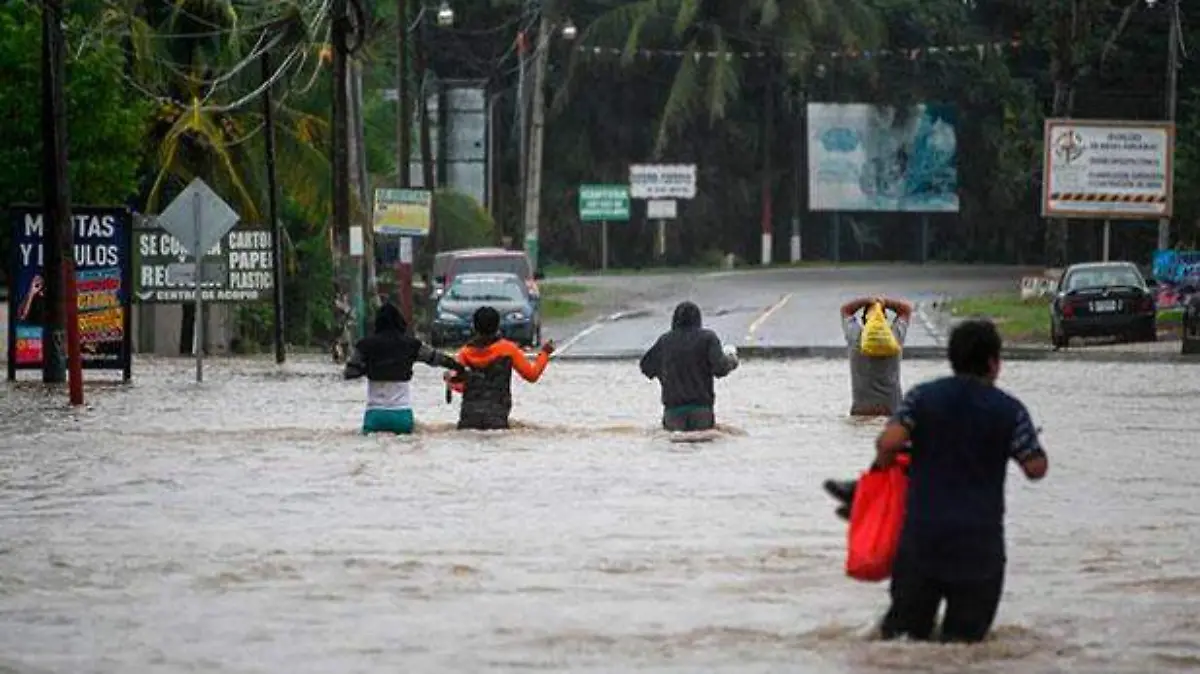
402	212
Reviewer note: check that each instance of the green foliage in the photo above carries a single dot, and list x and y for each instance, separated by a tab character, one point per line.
461	222
105	121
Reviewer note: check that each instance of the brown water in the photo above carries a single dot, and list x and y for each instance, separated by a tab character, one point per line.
243	526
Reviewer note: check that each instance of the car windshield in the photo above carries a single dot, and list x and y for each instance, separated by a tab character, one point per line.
1104	277
508	264
476	290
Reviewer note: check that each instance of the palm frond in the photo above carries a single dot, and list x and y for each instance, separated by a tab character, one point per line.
681	100
724	79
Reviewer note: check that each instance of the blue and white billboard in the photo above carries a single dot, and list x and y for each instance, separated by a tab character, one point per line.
869	158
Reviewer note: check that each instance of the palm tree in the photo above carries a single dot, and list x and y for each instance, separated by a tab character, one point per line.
198	60
712	33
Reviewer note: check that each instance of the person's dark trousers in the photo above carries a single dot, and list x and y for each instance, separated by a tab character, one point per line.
970	605
689	418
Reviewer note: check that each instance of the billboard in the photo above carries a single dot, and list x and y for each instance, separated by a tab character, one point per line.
1107	169
103	285
875	158
402	212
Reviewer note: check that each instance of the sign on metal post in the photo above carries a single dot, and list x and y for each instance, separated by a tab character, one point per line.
198	218
1108	169
402	212
237	269
662	181
603	203
104	286
661	209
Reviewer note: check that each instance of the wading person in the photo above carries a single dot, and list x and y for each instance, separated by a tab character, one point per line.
961	431
875	388
874	379
486	387
386	359
685	361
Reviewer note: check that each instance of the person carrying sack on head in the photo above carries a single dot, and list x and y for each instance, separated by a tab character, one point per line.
876	346
386	359
486	387
685	361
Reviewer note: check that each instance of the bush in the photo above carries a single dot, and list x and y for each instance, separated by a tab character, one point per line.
460	222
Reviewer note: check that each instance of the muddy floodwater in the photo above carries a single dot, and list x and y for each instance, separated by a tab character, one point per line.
244	526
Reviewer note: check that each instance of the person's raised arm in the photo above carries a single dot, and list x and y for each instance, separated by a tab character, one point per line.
903	308
530	372
897	434
432	357
854	306
719	363
651	363
1026	448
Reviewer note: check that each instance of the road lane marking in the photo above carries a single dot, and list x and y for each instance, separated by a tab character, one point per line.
766	315
579	336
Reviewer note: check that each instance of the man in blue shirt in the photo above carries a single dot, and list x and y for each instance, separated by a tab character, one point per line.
961	431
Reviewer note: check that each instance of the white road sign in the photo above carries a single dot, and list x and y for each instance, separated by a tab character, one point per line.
1108	169
661	209
662	181
206	227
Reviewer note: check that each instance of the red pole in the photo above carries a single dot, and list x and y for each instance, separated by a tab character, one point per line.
71	318
404	278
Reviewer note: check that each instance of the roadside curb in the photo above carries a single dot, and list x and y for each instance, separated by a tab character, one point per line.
1012	353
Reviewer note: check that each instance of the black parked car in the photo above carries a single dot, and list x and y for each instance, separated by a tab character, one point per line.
1103	299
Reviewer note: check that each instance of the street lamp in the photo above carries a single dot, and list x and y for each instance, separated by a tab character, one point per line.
569	31
445	15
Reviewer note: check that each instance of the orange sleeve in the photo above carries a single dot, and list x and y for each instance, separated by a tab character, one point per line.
529	372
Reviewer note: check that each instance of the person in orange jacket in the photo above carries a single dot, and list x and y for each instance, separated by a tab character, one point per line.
486	386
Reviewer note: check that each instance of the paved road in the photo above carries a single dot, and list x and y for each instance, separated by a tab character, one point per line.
780	307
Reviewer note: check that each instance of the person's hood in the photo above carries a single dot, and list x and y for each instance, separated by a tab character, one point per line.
389	318
687	317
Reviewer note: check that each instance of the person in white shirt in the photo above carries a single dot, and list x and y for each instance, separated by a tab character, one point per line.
386	359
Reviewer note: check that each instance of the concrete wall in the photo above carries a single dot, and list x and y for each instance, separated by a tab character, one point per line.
157	328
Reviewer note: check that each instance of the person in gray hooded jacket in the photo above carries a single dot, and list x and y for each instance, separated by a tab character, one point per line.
685	361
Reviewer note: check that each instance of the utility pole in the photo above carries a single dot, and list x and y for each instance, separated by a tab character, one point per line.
522	104
533	186
1164	224
341	158
58	274
403	102
273	209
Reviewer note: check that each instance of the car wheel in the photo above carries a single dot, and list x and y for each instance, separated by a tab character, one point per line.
1150	332
1058	338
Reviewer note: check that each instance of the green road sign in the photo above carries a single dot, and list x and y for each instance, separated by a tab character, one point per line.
604	203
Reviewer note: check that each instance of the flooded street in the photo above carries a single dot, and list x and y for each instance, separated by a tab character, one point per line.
244	526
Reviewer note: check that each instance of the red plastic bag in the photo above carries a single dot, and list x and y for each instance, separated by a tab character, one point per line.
876	517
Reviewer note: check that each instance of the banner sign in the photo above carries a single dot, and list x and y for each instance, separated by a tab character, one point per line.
402	212
662	181
239	268
865	157
1107	169
103	284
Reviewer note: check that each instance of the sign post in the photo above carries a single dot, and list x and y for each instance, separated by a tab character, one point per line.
662	185
1105	169
406	213
661	210
603	203
198	318
198	215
